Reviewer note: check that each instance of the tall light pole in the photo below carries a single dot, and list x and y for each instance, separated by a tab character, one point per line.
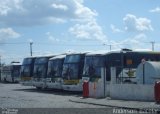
0	67
31	43
152	42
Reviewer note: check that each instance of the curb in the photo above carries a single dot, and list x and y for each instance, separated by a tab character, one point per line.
103	105
111	106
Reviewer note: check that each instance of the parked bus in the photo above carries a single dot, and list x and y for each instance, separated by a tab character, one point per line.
94	61
40	71
72	72
125	62
54	75
26	71
11	73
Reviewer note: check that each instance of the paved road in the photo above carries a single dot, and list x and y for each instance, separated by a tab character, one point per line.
23	97
28	100
17	96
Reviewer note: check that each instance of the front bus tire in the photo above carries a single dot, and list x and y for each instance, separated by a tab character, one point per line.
39	88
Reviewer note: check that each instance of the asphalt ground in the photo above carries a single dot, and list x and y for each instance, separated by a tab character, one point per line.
18	99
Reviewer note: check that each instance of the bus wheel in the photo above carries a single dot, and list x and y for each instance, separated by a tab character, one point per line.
5	81
38	88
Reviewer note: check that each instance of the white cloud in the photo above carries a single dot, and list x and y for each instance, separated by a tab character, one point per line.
79	31
51	37
7	6
155	10
114	29
84	12
2	53
37	12
86	26
6	33
60	6
137	39
40	12
4	9
134	24
135	42
88	30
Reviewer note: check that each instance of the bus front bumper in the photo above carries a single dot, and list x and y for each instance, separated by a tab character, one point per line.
39	84
54	85
26	83
77	88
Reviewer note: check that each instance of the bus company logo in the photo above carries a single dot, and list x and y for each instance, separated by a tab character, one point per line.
9	111
143	60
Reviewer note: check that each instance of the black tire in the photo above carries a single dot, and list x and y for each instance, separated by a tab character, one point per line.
5	81
39	88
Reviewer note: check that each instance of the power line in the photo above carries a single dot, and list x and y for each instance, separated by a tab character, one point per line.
64	44
152	44
53	44
15	43
40	43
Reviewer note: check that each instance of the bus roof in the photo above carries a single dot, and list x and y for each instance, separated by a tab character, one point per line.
58	57
41	56
10	65
76	53
15	64
30	57
101	52
134	51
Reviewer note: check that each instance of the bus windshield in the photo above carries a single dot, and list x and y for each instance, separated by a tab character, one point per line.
16	71
27	61
72	58
40	71
55	68
41	60
25	71
93	65
70	71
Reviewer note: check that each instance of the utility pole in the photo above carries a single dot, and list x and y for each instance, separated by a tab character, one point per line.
0	67
152	42
31	43
110	46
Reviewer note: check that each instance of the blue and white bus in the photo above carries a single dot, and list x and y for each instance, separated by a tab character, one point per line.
40	71
94	61
26	72
11	73
54	75
73	71
125	62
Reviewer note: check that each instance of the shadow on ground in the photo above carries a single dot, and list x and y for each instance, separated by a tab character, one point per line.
51	91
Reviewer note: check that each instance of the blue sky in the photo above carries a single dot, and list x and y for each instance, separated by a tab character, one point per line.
57	26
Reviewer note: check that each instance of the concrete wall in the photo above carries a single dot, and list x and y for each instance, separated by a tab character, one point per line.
132	92
107	90
96	89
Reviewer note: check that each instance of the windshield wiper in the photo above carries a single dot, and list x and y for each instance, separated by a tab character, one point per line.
68	73
91	70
